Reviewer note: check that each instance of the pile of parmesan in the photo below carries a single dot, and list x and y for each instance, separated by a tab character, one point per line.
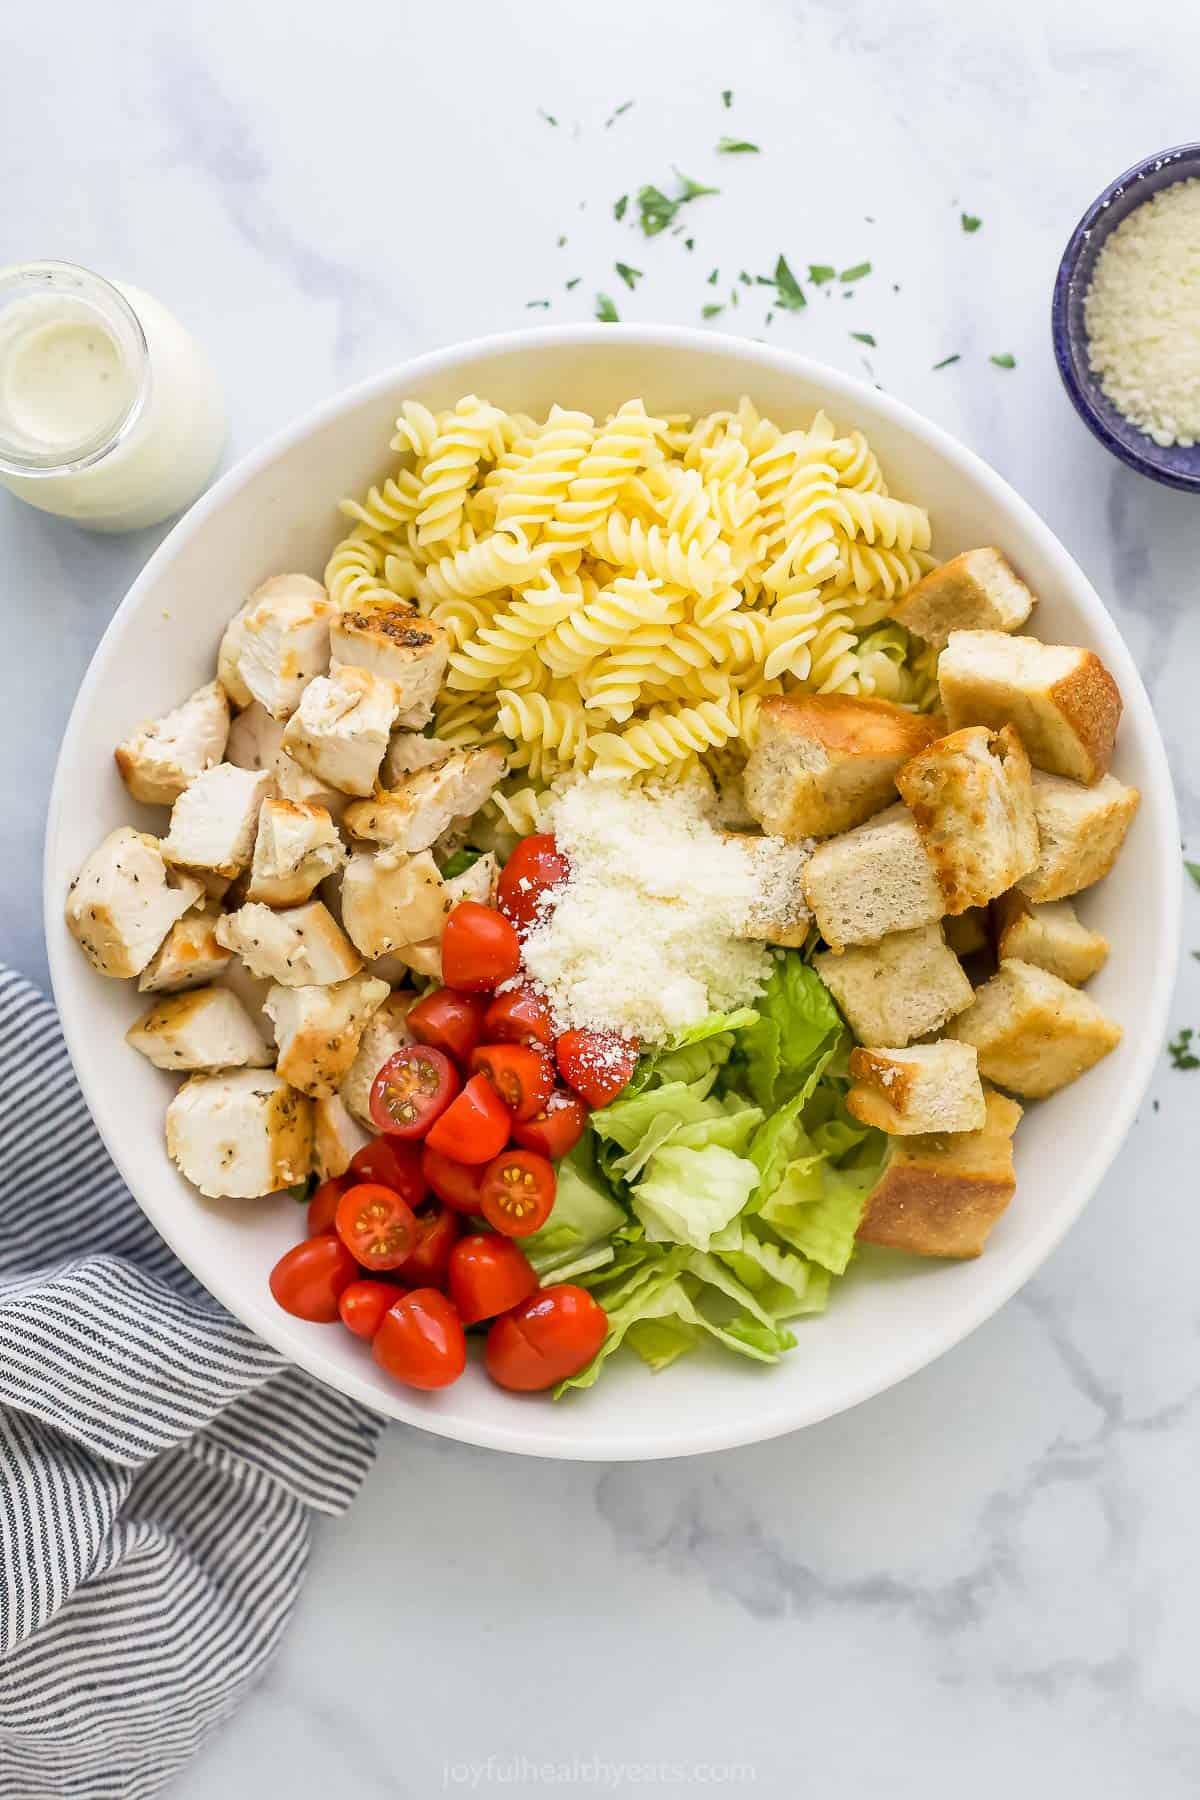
1142	315
647	936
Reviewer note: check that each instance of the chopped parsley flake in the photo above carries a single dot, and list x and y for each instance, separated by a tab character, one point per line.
710	312
729	146
549	117
820	273
733	297
790	293
768	318
970	222
530	303
864	337
727	96
714	278
947	360
856	273
689	243
746	279
629	276
562	240
1180	1051
615	115
1193	870
605	310
574	282
619	207
657	210
1006	360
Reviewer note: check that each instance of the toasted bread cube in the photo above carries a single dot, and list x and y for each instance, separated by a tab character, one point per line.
967	933
240	1134
977	591
124	901
971	796
823	763
215	820
1081	831
1052	937
924	1088
902	988
941	1195
255	739
386	1032
336	1137
341	729
161	757
189	956
398	644
304	947
318	1030
872	881
389	899
277	644
477	883
780	913
208	1028
414	815
296	848
409	751
1033	1031
1061	700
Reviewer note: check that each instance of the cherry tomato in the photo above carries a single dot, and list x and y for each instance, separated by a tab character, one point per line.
488	1275
523	1078
556	1129
413	1088
364	1303
376	1225
518	1192
323	1205
547	1338
518	1016
535	868
427	1263
420	1340
479	948
393	1163
454	1182
597	1064
449	1021
309	1279
475	1126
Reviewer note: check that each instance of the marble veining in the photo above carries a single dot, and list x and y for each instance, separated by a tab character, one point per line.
986	1579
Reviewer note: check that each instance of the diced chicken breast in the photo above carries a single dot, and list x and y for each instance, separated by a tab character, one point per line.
124	901
341	729
412	815
250	989
304	947
396	643
296	848
336	1136
206	1029
162	756
214	821
389	899
318	1030
407	752
240	1134
386	1032
278	643
424	958
476	883
293	782
189	956
255	739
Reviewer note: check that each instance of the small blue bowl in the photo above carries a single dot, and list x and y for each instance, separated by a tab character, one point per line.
1175	466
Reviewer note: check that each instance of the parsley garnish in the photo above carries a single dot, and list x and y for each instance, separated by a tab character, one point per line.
790	295
657	210
744	278
729	146
1004	361
768	318
710	312
561	242
727	96
947	360
1193	870
619	207
549	117
856	273
1179	1049
689	243
970	222
613	116
820	273
574	282
864	337
733	297
530	303
629	276
606	311
714	278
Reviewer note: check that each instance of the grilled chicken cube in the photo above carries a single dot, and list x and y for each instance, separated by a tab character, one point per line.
214	821
414	814
124	901
318	1030
336	1136
409	751
341	729
255	739
162	756
396	643
240	1134
386	1032
296	848
206	1029
389	899
303	947
277	644
189	956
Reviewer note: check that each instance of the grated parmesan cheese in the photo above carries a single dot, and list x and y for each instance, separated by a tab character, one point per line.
1142	314
647	935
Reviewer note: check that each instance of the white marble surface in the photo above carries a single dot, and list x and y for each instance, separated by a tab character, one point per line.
987	1579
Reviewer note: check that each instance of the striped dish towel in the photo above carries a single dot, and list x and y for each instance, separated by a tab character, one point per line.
158	1464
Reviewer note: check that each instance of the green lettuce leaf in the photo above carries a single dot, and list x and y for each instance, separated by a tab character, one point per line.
661	1321
685	1194
584	1218
797	1025
817	1210
785	1285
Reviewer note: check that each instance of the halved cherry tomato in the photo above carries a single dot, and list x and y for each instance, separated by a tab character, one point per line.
437	1233
449	1021
556	1129
309	1279
535	868
323	1205
376	1225
479	948
420	1340
364	1303
523	1078
488	1274
414	1087
518	1192
394	1164
518	1016
475	1126
454	1182
597	1064
547	1338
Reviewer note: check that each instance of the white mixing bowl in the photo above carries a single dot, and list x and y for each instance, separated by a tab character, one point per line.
276	511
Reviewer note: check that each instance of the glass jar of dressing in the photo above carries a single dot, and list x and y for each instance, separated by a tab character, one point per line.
109	414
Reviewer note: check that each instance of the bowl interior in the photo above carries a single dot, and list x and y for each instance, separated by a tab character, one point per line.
1176	465
277	512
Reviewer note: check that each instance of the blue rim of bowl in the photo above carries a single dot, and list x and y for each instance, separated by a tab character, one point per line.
1083	397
